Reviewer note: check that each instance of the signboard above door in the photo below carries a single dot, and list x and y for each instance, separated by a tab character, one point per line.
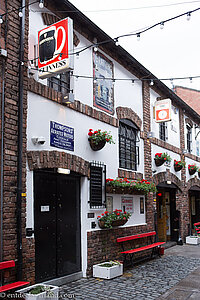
55	42
163	110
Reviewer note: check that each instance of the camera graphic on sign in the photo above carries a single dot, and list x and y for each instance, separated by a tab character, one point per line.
48	43
54	44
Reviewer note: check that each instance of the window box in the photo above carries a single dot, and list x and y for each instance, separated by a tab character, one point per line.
102	271
192	240
114	223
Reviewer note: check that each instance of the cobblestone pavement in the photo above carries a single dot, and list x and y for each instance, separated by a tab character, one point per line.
144	282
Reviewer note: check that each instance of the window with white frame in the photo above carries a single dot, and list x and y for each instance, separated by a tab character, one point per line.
189	138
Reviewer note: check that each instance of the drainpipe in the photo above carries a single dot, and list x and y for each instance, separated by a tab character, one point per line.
2	139
20	146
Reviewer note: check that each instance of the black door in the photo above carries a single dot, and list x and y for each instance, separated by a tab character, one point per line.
57	225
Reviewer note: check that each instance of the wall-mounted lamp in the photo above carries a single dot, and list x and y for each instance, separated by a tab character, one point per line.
169	182
38	140
150	134
63	171
68	98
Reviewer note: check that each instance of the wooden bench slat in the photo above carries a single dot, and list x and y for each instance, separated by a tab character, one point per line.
7	264
143	248
12	286
137	236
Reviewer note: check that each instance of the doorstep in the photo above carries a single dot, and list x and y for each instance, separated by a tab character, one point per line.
65	279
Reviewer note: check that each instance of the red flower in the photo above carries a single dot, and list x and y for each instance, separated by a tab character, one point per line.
98	217
164	158
124	218
102	214
159	194
90	129
90	133
95	132
106	212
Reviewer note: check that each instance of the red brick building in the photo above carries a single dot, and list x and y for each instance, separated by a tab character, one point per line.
190	96
36	219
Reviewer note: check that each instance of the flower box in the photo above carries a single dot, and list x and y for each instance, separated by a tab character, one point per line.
101	271
97	147
192	171
192	240
114	223
177	168
50	292
159	162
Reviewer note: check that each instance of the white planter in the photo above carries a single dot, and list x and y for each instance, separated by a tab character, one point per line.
193	240
51	292
107	272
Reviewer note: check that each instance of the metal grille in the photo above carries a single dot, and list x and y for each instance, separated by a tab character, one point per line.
163	131
60	82
97	185
128	150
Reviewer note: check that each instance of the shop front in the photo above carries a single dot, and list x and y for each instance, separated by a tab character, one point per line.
194	202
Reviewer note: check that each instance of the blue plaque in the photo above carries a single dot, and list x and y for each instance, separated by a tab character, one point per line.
61	136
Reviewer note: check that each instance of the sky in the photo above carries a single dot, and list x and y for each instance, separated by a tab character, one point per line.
171	52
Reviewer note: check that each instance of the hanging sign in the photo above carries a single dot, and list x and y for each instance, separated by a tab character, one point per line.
54	44
61	136
163	110
127	204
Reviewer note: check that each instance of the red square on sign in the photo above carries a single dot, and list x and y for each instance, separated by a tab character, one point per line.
162	115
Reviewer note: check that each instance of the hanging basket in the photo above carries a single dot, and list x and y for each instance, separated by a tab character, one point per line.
159	162
177	168
96	147
192	172
115	223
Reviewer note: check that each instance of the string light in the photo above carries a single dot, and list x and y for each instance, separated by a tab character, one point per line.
95	80
151	82
41	4
132	82
1	19
20	13
190	79
77	55
95	49
116	42
161	25
188	16
138	37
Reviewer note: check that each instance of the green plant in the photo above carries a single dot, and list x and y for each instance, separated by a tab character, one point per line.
110	264
98	136
117	214
37	290
138	185
193	167
179	163
163	156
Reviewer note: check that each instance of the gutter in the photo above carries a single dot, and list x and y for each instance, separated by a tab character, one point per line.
20	147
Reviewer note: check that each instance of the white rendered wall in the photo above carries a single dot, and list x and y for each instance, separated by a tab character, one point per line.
173	126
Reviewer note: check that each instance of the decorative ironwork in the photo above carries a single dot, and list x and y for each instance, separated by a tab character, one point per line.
97	185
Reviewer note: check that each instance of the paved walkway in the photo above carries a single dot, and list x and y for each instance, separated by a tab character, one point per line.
174	276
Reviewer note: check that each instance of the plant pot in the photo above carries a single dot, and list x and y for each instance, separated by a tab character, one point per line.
50	294
115	223
177	168
199	174
107	272
192	172
96	147
192	240
159	162
161	250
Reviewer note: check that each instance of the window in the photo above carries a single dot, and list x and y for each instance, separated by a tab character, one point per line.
97	185
163	131
189	138
128	149
60	82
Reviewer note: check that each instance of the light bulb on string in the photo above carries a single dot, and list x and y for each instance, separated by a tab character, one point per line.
188	16
20	13
76	77
116	42
113	81
138	37
151	82
172	82
161	25
95	80
190	79
1	19
77	55
95	49
41	4
132	82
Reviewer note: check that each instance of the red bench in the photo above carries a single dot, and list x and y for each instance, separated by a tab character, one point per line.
130	239
6	265
197	227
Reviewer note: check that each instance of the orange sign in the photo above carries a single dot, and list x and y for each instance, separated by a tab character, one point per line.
163	110
54	44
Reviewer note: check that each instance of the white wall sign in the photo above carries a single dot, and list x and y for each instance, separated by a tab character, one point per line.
163	110
127	204
54	44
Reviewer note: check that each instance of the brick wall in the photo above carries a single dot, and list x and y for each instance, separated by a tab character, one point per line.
189	96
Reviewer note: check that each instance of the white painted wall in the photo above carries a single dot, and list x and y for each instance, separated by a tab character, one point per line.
173	127
156	149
